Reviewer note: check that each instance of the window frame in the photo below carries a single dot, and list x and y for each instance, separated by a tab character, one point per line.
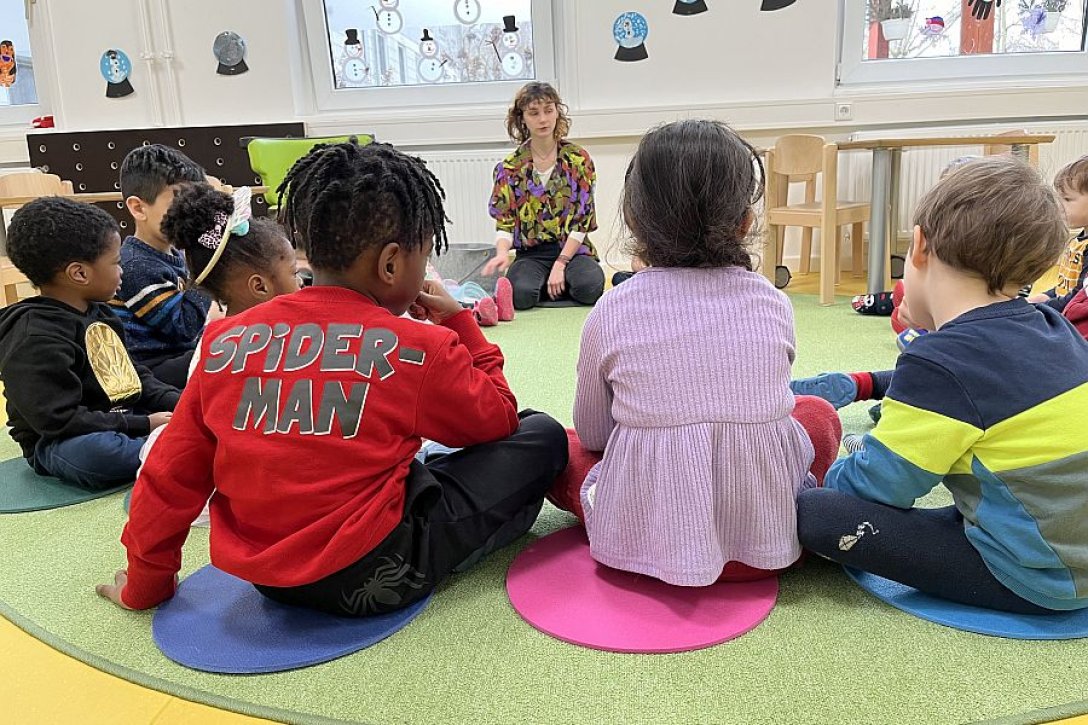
328	98
854	71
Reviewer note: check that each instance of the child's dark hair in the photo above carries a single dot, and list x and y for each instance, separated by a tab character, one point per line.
193	214
689	194
49	233
147	170
344	198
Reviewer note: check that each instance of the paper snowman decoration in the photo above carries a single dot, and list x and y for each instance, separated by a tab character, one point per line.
115	68
230	50
512	61
630	31
467	11
430	68
689	7
353	67
389	18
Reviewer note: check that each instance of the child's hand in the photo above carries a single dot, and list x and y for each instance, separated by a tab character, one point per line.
434	303
159	419
113	591
1038	299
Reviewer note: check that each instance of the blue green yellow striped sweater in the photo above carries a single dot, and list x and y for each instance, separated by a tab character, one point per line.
990	405
162	318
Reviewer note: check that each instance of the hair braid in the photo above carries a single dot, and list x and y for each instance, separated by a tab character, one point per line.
344	198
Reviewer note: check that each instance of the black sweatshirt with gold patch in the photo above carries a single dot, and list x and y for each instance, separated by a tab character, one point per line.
67	373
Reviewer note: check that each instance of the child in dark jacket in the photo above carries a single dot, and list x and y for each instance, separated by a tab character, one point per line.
77	405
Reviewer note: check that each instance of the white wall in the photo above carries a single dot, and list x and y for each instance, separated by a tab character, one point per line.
764	73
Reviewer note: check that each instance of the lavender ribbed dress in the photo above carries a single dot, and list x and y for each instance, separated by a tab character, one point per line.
683	382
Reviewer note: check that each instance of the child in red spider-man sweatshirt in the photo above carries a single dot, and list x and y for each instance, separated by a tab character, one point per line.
304	415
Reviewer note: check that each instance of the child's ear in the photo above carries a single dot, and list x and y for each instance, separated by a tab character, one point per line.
77	273
919	248
388	260
259	287
136	208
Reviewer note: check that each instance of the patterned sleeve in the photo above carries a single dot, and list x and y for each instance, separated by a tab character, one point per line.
584	182
501	206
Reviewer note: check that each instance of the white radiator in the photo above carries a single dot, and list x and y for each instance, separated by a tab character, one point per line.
921	167
467	177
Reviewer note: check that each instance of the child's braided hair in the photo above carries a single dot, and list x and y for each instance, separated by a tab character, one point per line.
344	198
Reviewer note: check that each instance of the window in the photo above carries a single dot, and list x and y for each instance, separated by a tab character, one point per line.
425	52
932	40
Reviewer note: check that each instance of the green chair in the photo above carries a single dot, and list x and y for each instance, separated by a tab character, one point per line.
272	158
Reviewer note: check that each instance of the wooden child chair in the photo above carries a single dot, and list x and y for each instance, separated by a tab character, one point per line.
15	190
802	158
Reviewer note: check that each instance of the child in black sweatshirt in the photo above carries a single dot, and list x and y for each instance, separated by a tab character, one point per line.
77	405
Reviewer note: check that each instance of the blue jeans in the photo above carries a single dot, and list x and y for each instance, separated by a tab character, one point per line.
94	461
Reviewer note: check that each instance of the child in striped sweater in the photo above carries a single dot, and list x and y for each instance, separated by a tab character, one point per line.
690	448
163	318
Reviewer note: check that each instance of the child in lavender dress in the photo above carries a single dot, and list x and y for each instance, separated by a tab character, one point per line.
689	447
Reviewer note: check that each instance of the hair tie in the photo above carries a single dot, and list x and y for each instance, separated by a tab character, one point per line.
237	223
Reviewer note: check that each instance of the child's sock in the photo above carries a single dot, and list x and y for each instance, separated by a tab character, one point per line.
853	443
504	299
839	389
879	304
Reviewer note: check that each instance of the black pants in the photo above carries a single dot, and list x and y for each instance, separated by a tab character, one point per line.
458	509
529	277
172	370
923	548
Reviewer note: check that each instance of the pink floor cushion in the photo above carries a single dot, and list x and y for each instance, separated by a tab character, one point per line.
560	590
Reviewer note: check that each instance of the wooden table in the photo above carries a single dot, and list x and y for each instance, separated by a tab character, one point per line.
887	159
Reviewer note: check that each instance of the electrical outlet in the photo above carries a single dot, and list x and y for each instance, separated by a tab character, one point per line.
844	111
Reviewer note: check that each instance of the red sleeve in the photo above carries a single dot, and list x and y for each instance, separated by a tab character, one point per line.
1077	312
465	399
173	487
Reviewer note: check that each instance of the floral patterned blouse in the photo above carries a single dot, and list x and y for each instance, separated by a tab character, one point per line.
540	213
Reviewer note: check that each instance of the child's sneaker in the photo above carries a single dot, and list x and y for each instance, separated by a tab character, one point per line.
504	299
839	389
908	336
487	312
879	304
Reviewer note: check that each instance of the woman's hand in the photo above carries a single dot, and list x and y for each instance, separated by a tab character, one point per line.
498	263
434	303
557	280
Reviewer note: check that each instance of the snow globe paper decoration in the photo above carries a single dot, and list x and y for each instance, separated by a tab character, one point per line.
467	11
630	31
230	50
116	67
689	7
769	5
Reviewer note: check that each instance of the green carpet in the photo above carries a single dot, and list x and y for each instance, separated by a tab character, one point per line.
828	653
